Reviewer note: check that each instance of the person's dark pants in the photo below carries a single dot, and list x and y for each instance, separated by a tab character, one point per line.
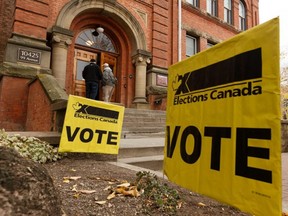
91	89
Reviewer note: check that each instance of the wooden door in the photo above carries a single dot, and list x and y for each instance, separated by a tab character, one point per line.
82	58
112	61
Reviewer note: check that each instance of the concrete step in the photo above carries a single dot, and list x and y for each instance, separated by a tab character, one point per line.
51	137
142	130
144	122
145	152
129	135
141	147
149	162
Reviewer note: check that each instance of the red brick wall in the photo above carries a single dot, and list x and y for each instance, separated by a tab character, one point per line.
31	18
39	114
13	103
7	9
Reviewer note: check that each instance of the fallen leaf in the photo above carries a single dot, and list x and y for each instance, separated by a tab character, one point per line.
111	196
73	170
120	190
126	184
179	205
107	188
132	191
101	202
74	188
72	177
201	204
76	195
87	191
66	180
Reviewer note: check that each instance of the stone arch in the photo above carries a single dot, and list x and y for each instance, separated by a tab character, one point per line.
62	35
111	8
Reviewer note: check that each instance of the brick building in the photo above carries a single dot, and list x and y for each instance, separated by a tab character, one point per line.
44	45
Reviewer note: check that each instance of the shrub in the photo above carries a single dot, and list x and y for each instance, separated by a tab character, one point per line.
30	147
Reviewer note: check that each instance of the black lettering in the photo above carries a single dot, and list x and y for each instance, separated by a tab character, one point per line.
90	135
100	132
190	159
112	136
183	88
216	133
69	136
171	144
247	90
243	151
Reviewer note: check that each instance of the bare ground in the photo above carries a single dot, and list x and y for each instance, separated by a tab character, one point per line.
85	183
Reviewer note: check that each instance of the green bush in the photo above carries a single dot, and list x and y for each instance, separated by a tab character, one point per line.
158	196
30	147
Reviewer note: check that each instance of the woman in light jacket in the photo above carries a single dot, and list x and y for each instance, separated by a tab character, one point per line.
108	82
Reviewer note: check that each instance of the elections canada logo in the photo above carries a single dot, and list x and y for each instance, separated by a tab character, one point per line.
238	76
88	112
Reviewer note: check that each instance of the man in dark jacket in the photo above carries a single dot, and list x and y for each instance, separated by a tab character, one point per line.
92	75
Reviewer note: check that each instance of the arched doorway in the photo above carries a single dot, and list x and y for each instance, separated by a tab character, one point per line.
123	29
91	44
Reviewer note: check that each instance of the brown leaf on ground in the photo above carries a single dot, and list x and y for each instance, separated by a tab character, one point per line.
96	174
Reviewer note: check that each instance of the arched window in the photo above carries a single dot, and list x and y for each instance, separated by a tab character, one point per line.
228	11
242	16
101	41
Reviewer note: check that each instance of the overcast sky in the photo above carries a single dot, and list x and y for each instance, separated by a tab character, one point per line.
270	9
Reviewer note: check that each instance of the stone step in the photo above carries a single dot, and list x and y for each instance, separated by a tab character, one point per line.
144	112
144	121
141	147
129	135
142	130
154	162
51	137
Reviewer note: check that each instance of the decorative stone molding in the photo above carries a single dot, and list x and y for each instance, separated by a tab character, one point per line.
61	39
143	58
140	60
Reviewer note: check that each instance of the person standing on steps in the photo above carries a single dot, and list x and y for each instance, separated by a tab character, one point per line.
92	75
108	82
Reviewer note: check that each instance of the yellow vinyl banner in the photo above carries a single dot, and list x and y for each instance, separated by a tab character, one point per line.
223	132
91	126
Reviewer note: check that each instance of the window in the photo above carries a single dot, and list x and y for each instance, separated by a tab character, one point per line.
242	16
212	7
228	11
193	2
101	41
209	45
191	46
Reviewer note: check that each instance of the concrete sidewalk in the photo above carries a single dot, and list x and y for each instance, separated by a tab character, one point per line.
144	141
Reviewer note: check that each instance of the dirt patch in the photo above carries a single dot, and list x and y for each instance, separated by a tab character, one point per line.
83	194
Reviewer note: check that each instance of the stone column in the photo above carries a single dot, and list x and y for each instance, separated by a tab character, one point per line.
141	60
61	39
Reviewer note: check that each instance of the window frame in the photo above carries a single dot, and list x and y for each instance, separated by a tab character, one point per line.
195	45
194	3
100	42
228	13
242	16
212	7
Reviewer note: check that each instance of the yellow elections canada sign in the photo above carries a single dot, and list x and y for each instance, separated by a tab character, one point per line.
223	122
91	126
